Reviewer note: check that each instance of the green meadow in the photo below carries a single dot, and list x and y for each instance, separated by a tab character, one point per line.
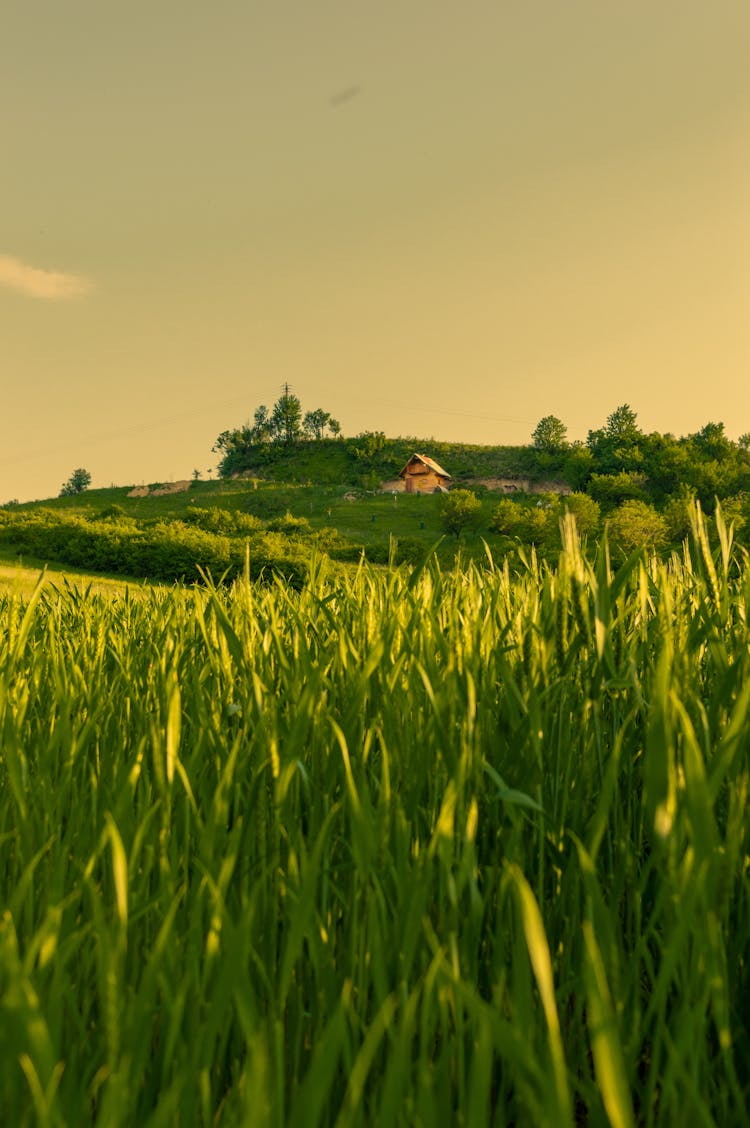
393	846
20	576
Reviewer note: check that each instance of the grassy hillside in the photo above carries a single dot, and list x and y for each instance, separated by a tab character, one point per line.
293	520
368	459
20	577
212	523
325	496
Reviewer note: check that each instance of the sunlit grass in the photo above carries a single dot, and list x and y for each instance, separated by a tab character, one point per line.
435	848
20	576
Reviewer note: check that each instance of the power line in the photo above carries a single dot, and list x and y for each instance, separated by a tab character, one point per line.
122	432
426	408
96	438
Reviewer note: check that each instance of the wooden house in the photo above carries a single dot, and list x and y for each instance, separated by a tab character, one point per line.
423	475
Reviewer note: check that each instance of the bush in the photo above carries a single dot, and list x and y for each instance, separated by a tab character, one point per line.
112	513
167	551
636	525
410	550
614	488
346	551
223	521
676	514
460	511
265	504
291	526
736	512
509	518
586	511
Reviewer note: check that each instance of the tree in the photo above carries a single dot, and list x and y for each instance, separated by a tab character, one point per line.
636	525
614	488
508	518
622	426
578	465
615	445
286	418
460	510
712	441
317	422
550	435
253	444
586	512
78	481
261	430
314	423
677	513
667	464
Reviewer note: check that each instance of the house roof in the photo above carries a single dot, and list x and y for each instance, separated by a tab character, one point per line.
430	462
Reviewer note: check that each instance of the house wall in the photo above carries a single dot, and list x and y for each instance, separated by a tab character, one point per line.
422	480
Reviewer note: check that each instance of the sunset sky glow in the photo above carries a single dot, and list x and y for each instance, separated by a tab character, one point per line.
431	218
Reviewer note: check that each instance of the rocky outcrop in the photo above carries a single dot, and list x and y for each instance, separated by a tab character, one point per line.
160	490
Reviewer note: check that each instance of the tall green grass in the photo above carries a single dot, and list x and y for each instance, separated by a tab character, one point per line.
423	848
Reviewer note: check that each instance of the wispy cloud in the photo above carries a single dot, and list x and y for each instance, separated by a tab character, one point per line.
53	285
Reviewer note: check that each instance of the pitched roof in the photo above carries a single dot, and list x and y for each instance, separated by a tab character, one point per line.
430	462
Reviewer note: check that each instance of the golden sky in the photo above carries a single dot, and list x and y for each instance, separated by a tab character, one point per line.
431	217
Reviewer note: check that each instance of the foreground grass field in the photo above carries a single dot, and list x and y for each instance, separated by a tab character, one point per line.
20	577
463	848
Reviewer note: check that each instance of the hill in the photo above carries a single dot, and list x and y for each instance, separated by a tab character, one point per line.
370	458
283	503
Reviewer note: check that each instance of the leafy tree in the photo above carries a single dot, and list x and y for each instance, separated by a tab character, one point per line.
261	429
736	511
586	512
538	522
667	464
614	488
616	445
578	465
622	426
460	510
636	524
317	422
713	442
78	481
542	525
550	435
282	426
508	518
676	514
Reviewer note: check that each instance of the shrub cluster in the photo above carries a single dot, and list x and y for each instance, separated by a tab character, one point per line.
536	519
224	521
165	551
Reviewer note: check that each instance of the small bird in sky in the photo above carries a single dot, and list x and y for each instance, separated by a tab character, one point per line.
345	95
